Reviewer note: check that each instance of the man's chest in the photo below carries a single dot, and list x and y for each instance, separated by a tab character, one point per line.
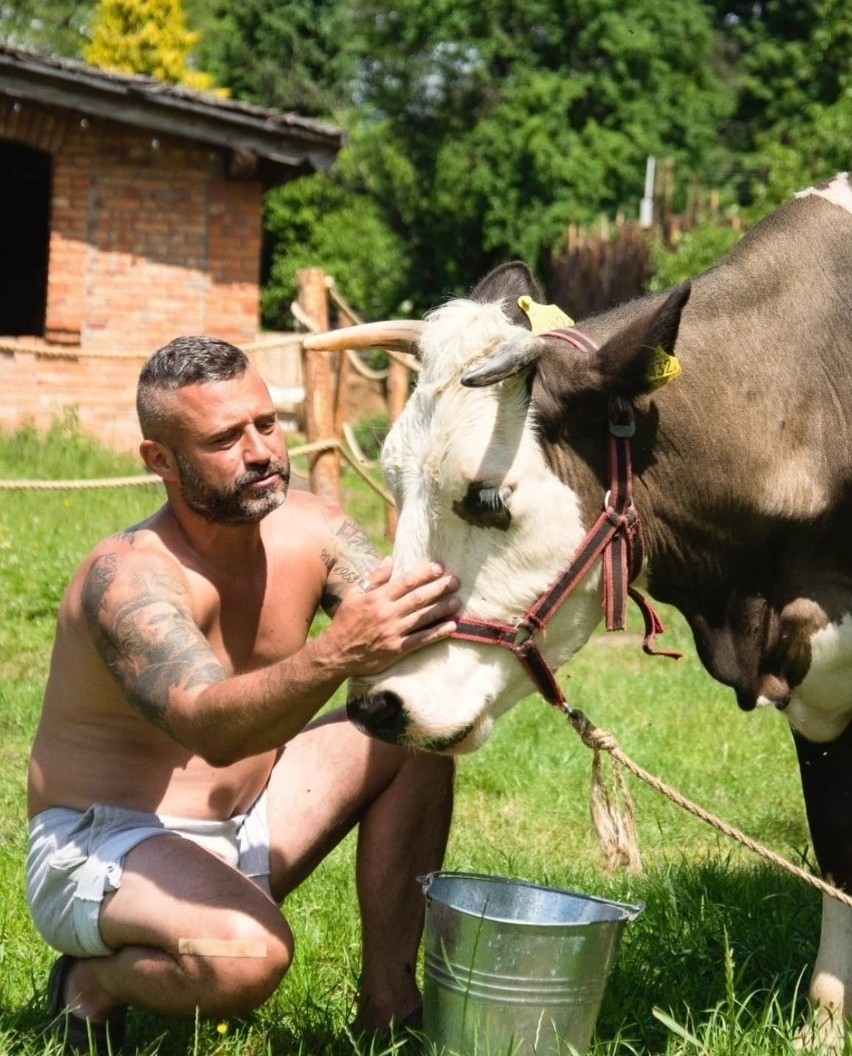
254	621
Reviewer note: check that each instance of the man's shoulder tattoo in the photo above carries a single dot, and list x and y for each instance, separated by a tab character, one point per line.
98	580
146	635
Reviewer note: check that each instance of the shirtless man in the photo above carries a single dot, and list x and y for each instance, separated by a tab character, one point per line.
177	792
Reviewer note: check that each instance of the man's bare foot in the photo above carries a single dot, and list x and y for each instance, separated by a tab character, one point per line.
78	1035
384	1028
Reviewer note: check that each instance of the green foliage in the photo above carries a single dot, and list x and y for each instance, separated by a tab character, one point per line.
316	221
284	56
478	132
792	53
806	154
788	62
36	540
28	453
148	37
695	251
516	119
56	27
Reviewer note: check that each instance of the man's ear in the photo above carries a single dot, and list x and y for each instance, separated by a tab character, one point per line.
159	459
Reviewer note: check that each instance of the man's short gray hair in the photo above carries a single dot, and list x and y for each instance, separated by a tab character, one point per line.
184	361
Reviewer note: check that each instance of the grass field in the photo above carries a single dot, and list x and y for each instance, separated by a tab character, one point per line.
718	962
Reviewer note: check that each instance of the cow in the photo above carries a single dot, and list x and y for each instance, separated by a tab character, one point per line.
737	511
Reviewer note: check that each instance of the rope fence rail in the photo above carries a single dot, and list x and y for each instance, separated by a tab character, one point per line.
317	447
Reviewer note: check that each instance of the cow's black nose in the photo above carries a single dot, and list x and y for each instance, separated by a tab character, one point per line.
379	714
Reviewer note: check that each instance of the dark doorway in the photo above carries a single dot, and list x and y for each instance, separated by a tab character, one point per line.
25	178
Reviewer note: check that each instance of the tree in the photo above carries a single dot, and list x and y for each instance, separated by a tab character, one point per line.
283	56
517	118
148	37
478	130
789	64
56	27
319	221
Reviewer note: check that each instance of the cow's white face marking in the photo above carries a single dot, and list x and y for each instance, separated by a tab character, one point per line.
476	494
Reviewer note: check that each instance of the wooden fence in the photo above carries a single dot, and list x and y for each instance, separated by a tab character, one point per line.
327	380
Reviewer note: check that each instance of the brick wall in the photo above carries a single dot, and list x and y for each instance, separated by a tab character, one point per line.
148	239
38	388
41	384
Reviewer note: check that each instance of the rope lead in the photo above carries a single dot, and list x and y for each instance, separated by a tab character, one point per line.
614	815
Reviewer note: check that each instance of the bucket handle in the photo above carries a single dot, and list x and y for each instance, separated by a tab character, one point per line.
426	882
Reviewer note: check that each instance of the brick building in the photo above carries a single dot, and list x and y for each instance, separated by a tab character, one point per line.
130	212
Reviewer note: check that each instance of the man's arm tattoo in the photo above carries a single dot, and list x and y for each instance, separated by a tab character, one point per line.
357	556
354	558
149	642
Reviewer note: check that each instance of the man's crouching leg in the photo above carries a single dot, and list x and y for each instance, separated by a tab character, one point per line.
402	836
332	777
191	936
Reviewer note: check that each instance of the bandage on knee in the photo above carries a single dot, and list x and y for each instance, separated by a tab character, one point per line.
222	947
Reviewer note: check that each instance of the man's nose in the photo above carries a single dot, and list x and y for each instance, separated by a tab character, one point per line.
257	447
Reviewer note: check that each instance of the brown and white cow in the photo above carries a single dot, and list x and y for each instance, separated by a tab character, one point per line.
742	483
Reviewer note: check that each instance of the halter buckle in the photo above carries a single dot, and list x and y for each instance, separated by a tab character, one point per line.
623	432
523	633
622	422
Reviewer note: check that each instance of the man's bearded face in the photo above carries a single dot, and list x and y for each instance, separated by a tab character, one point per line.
238	503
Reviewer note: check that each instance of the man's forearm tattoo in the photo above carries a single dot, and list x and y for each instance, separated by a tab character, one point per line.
357	555
350	560
149	642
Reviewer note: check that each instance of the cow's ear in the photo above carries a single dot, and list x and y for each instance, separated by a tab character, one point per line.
628	364
507	283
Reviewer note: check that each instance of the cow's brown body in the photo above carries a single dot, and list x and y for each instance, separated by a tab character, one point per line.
744	464
744	478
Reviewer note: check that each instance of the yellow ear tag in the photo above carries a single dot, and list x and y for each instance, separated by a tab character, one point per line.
544	317
664	368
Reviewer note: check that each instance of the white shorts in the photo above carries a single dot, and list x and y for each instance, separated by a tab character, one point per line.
76	857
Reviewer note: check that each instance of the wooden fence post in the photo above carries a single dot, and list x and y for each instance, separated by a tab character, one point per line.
316	370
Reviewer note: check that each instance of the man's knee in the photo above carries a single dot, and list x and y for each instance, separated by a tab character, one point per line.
242	966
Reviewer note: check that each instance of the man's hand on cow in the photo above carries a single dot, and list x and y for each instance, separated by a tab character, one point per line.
394	615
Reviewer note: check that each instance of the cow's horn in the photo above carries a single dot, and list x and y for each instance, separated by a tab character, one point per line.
514	357
401	335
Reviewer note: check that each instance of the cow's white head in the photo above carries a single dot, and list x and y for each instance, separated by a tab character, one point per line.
475	492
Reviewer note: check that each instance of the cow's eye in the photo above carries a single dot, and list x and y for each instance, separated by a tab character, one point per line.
485	506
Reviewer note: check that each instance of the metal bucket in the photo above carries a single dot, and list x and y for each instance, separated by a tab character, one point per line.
515	969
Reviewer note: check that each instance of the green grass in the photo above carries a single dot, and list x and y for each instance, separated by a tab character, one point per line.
718	961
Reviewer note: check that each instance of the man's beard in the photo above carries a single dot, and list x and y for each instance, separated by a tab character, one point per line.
233	505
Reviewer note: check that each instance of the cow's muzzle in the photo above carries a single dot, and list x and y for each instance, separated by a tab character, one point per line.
380	715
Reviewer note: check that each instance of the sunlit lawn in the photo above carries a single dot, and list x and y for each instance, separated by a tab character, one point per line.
717	963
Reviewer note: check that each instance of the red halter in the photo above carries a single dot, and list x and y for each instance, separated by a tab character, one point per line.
616	535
